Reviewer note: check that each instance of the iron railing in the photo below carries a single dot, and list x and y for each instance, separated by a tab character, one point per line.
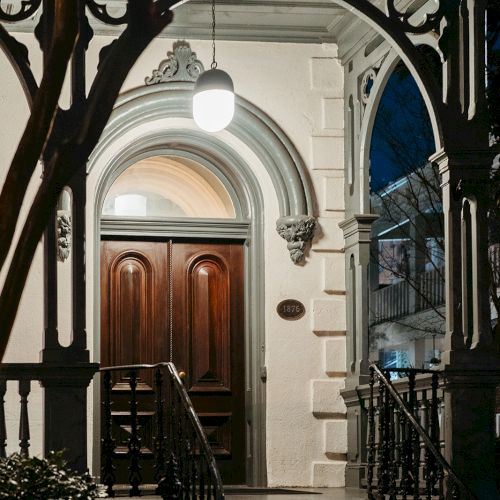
403	449
184	465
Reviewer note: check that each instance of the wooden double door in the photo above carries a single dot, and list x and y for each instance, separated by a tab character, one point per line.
178	300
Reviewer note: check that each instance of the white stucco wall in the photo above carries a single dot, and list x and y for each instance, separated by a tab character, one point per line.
300	87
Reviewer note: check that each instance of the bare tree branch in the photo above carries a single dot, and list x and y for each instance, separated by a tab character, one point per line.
147	19
39	124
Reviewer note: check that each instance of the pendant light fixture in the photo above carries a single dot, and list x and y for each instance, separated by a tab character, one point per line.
213	99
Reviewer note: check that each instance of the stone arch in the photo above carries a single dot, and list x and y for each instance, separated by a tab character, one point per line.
251	125
214	154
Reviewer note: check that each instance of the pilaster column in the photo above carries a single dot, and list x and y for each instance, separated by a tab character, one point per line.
65	411
469	361
65	389
465	184
357	258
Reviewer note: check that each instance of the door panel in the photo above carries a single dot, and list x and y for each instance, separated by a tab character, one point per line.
134	322
208	324
134	304
207	334
208	312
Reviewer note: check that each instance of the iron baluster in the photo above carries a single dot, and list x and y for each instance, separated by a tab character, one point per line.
178	443
3	430
391	452
107	442
187	456
134	442
404	455
187	446
194	464
169	487
425	406
159	440
202	476
182	450
440	480
371	438
409	451
24	424
434	431
383	477
429	474
415	443
434	418
209	484
380	449
415	440
429	466
411	433
454	489
432	426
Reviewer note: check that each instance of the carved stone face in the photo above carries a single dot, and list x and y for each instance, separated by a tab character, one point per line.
63	235
296	230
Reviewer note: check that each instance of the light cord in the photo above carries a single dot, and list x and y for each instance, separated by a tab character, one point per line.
214	63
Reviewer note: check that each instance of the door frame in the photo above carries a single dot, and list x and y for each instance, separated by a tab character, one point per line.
130	231
247	199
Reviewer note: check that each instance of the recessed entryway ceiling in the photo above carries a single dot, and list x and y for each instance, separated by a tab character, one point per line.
306	21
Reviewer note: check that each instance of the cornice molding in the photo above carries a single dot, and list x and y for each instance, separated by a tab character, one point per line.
173	228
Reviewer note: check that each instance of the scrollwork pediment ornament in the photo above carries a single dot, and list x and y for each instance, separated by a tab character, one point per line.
297	230
429	21
181	65
63	235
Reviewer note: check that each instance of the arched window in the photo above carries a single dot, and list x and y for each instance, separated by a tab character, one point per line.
162	186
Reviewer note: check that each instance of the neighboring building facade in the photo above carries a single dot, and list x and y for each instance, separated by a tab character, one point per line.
407	314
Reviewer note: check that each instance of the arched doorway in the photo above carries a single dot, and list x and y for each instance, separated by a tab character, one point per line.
175	297
266	180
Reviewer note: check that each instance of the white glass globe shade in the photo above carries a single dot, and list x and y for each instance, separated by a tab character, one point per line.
213	100
213	110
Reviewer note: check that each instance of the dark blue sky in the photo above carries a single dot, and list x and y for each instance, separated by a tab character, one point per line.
402	136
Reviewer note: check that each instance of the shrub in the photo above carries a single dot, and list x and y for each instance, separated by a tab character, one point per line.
43	479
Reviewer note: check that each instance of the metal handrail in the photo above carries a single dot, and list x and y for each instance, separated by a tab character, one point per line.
188	406
418	428
176	382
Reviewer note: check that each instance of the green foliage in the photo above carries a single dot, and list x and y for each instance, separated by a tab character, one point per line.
43	479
